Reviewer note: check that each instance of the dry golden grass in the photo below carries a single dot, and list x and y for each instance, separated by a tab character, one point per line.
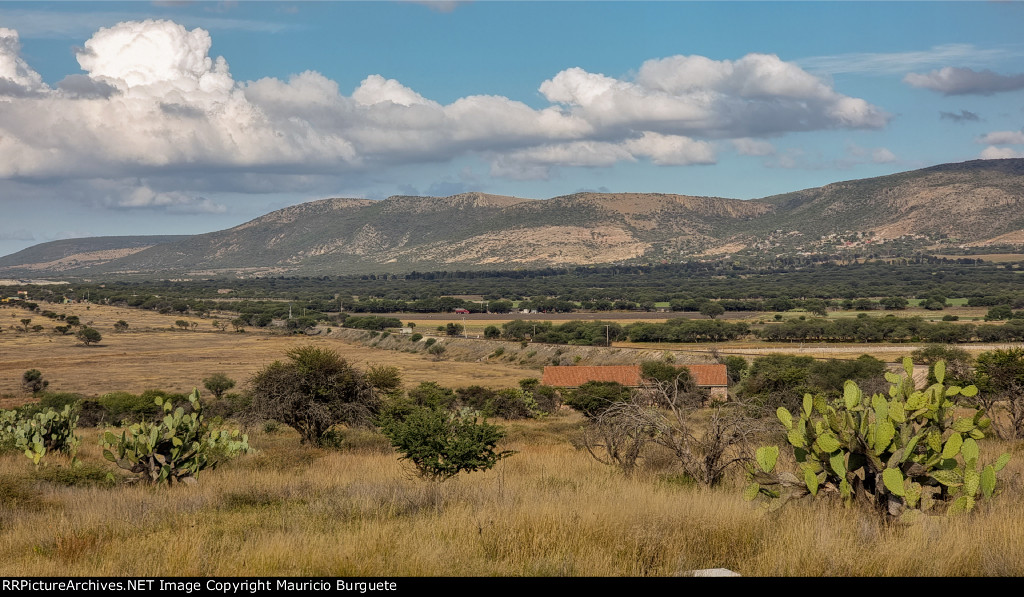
153	355
549	510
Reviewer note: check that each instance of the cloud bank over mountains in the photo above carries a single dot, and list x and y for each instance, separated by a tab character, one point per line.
153	107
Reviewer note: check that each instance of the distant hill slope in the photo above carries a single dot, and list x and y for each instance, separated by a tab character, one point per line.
75	253
972	202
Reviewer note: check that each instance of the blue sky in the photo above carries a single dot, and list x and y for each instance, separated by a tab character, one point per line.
188	117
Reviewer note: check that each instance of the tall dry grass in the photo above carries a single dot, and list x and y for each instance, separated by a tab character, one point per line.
547	510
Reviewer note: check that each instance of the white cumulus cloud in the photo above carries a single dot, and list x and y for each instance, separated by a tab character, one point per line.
152	104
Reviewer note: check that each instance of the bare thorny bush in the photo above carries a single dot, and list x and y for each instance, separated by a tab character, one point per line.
1006	409
705	440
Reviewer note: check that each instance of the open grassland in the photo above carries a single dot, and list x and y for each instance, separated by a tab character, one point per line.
152	354
547	510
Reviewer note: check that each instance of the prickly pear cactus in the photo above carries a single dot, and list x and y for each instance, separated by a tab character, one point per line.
173	449
903	454
45	432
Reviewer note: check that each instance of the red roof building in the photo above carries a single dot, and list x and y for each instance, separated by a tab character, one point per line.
713	377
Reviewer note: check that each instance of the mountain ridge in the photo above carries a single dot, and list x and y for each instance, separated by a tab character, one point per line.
967	203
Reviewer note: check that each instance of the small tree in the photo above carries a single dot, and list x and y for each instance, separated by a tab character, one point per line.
26	322
182	324
711	310
454	329
88	335
218	383
441	444
32	380
315	390
1000	376
63	330
121	326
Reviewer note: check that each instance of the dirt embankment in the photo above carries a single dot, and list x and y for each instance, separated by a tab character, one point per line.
531	355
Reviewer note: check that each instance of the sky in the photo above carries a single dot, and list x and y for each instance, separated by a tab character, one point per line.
177	117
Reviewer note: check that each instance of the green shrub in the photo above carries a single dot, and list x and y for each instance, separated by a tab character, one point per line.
416	337
512	403
432	395
58	400
32	381
78	475
312	392
124	407
441	444
174	449
594	397
332	439
430	342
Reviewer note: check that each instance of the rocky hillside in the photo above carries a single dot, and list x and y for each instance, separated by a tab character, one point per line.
974	202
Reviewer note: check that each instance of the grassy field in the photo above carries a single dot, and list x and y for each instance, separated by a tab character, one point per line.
549	510
152	354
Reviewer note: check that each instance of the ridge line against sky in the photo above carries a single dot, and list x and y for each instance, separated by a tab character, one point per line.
182	118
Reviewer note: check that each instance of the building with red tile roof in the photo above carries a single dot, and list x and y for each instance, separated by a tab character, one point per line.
713	377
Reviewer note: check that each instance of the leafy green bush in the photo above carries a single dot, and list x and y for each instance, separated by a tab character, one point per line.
512	403
174	449
441	444
593	397
903	456
432	395
416	337
124	407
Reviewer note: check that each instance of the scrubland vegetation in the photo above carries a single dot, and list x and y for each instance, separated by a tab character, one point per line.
535	490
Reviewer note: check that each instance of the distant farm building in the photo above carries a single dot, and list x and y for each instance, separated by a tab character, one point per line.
713	378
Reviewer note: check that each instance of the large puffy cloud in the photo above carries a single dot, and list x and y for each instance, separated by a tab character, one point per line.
153	104
757	95
965	81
